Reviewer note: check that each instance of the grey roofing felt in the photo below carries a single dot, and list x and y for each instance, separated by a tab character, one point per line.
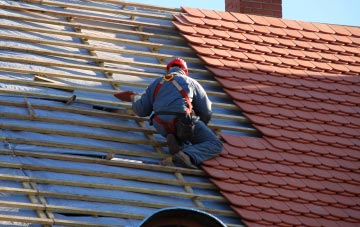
53	170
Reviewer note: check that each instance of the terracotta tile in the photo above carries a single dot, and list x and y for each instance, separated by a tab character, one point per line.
249	108
230	64
211	163
286	193
254	57
224	186
308	26
227	16
309	35
211	22
260	30
293	33
327	37
268	192
307	221
307	64
322	65
243	27
248	66
217	173
286	42
319	46
221	53
324	28
279	32
342	39
355	31
184	28
270	40
243	18
257	178
355	40
260	49
226	25
253	38
276	22
203	50
289	219
194	40
265	167
228	44
238	176
269	217
340	29
245	164
248	214
193	20
212	42
237	200
328	57
182	20
337	212
249	189
236	35
193	12
212	61
203	31
220	33
292	24
258	20
210	14
237	55
278	144
351	50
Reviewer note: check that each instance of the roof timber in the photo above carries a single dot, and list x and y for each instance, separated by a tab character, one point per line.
100	38
98	9
144	35
96	173
147	6
87	17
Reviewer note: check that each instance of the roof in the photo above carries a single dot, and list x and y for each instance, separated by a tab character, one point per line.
285	101
298	83
71	154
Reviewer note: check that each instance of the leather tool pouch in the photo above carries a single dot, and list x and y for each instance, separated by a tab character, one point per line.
184	126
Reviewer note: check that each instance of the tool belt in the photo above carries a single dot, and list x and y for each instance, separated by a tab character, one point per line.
182	126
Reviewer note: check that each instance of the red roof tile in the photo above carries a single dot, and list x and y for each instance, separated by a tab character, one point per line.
298	83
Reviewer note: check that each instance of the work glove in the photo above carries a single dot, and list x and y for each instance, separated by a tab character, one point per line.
125	95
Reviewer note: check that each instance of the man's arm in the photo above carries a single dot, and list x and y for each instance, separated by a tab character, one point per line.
201	103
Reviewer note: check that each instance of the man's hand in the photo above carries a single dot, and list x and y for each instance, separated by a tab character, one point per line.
127	96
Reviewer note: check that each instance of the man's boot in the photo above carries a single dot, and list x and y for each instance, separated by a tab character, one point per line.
183	159
172	143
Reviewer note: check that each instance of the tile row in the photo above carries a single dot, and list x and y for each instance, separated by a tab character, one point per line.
305	126
292	153
339	83
268	67
295	97
294	174
294	208
273	55
203	17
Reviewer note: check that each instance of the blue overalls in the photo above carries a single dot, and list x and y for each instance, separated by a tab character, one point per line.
204	144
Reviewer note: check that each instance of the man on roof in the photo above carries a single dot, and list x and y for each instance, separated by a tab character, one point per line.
180	111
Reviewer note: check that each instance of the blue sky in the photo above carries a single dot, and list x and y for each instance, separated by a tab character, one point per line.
345	12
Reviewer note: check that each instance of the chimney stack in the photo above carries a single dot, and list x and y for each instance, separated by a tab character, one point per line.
271	8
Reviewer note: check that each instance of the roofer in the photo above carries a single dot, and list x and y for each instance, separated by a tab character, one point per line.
180	111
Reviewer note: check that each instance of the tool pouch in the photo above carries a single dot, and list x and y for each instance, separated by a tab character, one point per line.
184	127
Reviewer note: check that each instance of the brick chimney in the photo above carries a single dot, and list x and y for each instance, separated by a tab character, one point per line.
271	8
